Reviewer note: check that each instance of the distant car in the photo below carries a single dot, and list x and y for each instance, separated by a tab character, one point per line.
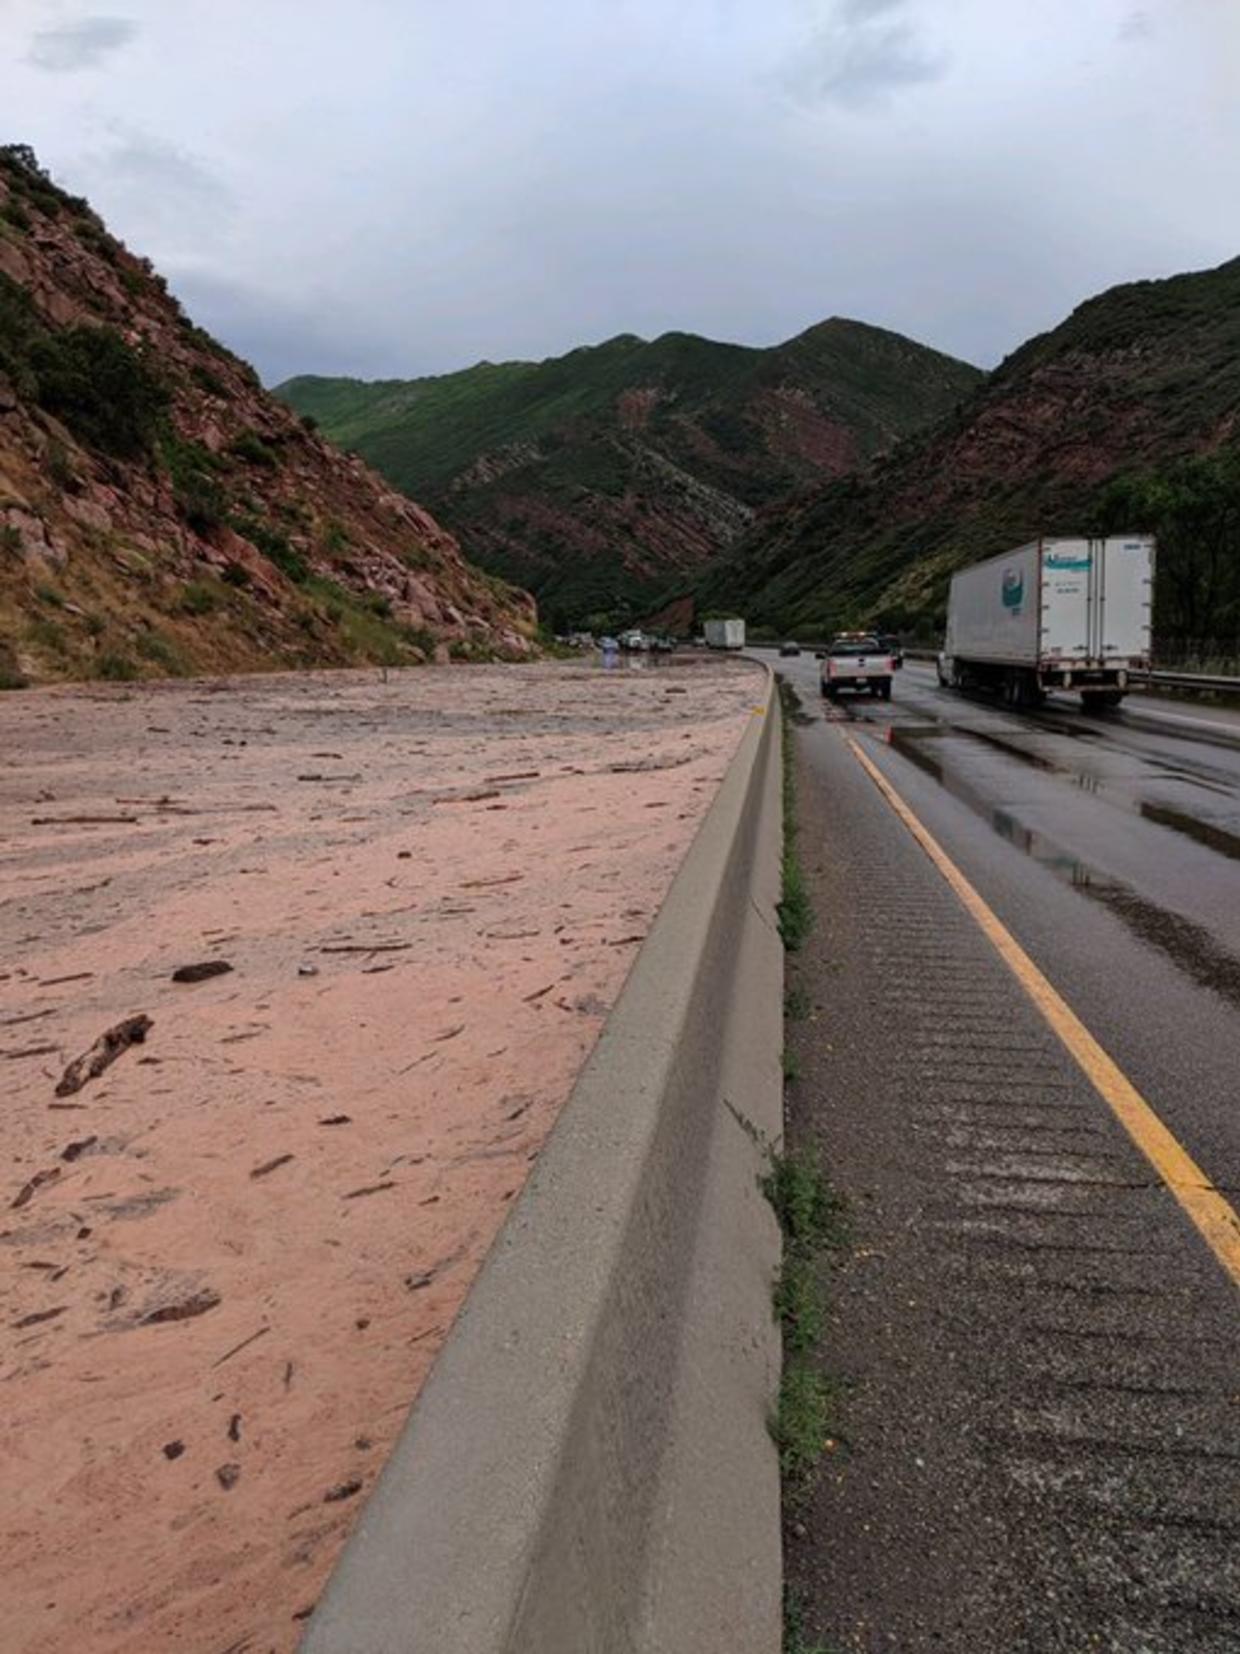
661	645
790	648
607	644
892	646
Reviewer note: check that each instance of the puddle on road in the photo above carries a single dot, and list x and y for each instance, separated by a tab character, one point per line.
1188	945
1215	838
905	737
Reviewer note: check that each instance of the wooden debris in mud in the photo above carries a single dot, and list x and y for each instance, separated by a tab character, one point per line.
271	1165
103	1053
184	1309
370	1189
84	821
237	1348
200	973
365	947
28	1190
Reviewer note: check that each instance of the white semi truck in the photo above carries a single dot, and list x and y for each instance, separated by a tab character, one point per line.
724	634
1071	614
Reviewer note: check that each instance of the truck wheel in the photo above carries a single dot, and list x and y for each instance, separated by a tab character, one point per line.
884	689
824	691
1101	700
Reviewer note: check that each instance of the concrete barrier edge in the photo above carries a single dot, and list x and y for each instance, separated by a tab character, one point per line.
588	1465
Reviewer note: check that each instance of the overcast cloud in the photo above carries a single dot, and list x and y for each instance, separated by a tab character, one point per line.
79	45
393	187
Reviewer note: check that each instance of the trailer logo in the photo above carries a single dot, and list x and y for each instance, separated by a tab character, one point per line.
1066	560
1013	590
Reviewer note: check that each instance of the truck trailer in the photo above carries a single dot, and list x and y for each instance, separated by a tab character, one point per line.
724	634
1068	614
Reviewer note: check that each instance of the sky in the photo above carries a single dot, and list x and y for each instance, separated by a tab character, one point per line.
389	188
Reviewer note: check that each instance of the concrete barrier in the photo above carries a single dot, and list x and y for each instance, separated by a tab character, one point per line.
588	1469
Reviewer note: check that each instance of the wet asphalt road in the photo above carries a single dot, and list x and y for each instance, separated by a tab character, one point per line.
1038	1358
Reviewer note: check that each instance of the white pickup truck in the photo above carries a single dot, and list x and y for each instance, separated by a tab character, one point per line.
857	661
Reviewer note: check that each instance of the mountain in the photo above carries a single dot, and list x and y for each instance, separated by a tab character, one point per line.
161	513
599	477
1127	416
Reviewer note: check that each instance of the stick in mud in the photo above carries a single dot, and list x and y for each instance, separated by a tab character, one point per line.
103	1053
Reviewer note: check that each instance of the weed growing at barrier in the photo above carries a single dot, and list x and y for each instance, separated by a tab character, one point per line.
796	915
810	1215
812	1220
796	1640
802	1424
792	1068
799	1305
796	1004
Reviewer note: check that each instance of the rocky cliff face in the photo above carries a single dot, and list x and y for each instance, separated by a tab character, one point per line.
160	512
1140	378
600	477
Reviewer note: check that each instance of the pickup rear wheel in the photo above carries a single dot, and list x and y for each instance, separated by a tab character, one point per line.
884	689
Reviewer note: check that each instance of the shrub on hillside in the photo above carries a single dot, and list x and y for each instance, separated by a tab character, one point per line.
195	485
153	646
251	448
275	546
102	389
198	598
115	666
21	165
11	675
419	637
19	329
207	380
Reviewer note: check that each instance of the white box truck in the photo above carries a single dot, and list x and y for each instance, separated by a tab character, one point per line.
1055	614
724	634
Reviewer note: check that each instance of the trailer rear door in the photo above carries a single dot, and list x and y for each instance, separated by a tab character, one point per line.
1068	599
1126	582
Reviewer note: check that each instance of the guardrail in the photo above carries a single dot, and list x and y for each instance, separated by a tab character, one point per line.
1202	682
588	1465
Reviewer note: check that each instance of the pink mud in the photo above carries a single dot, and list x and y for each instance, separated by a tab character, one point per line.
226	1264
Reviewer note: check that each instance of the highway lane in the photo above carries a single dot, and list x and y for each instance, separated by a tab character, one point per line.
1111	847
1041	1355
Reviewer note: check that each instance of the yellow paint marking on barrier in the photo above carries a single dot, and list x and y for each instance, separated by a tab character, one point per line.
1214	1217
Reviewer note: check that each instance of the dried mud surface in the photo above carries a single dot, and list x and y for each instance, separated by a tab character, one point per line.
228	1259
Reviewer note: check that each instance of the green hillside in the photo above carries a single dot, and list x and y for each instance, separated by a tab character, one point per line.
1125	416
599	477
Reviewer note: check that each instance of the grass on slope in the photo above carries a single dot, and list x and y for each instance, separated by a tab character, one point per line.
423	432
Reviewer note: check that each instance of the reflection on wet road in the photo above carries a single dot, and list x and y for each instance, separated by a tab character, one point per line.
1095	803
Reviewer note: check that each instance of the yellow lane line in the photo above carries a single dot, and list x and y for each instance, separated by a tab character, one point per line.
1214	1217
